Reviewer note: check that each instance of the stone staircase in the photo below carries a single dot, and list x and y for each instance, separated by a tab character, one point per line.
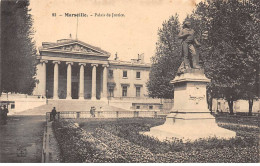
70	105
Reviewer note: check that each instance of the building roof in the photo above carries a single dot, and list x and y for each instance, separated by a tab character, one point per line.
129	63
64	45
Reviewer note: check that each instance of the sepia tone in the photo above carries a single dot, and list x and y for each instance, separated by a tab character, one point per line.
91	103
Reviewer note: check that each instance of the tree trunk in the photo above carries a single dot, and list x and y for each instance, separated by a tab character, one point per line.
209	101
230	105
250	102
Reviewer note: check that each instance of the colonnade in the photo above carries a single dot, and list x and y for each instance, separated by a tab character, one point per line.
69	80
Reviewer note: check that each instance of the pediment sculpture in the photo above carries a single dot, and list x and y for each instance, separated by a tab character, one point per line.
76	48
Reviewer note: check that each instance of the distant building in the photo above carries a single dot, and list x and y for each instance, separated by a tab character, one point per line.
72	69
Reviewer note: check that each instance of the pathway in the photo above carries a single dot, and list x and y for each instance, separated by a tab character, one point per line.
21	139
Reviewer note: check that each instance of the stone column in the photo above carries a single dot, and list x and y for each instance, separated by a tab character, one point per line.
94	79
69	80
81	81
104	94
56	79
43	80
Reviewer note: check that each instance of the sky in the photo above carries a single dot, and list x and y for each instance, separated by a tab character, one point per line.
133	33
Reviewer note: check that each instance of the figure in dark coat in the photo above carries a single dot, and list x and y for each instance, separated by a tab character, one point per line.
53	114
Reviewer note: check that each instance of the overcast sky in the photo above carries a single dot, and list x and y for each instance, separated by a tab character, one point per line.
134	33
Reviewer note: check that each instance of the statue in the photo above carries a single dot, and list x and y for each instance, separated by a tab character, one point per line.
188	51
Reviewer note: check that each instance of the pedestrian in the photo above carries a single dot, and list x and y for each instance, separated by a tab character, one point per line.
94	111
4	114
53	114
91	111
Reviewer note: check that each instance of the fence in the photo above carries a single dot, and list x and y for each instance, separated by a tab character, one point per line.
106	114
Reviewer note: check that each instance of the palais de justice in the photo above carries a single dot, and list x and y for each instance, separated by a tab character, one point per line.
72	69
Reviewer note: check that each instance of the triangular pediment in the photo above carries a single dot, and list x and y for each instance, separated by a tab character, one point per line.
75	46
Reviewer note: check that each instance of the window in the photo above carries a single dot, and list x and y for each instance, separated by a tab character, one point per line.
124	91
138	107
138	90
110	73
111	91
138	74
12	106
150	107
124	74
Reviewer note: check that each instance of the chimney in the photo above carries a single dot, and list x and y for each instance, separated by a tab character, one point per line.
116	58
141	58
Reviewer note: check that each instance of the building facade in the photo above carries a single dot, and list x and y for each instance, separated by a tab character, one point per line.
72	69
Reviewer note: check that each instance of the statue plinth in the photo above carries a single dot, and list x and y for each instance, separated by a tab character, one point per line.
190	118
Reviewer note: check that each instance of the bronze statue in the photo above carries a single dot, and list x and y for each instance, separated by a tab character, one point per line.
191	59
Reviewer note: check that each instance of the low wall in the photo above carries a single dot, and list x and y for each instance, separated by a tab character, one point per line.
107	114
22	102
126	102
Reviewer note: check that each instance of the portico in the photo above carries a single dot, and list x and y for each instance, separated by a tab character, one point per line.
71	69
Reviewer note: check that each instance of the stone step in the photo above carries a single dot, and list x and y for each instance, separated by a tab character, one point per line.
71	105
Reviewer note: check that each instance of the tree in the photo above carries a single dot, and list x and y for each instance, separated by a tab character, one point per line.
18	49
166	61
252	83
229	40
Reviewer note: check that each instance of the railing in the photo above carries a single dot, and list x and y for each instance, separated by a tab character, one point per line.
106	114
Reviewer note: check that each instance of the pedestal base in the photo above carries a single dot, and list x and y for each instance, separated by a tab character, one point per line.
189	127
190	118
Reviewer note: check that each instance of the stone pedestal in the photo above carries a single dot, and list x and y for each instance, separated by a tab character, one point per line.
190	118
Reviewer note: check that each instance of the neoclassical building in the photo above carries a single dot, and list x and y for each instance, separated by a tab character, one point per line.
72	69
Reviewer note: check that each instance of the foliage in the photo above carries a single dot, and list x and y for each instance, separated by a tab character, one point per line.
18	49
127	141
166	61
237	119
231	38
77	145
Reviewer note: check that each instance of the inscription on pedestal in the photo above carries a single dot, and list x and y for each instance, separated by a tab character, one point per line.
196	96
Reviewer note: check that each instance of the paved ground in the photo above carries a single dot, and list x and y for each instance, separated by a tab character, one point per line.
51	152
21	139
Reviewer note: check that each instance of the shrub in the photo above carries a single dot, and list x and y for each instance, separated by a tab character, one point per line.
119	141
77	145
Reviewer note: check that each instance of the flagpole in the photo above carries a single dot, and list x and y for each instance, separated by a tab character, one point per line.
77	29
